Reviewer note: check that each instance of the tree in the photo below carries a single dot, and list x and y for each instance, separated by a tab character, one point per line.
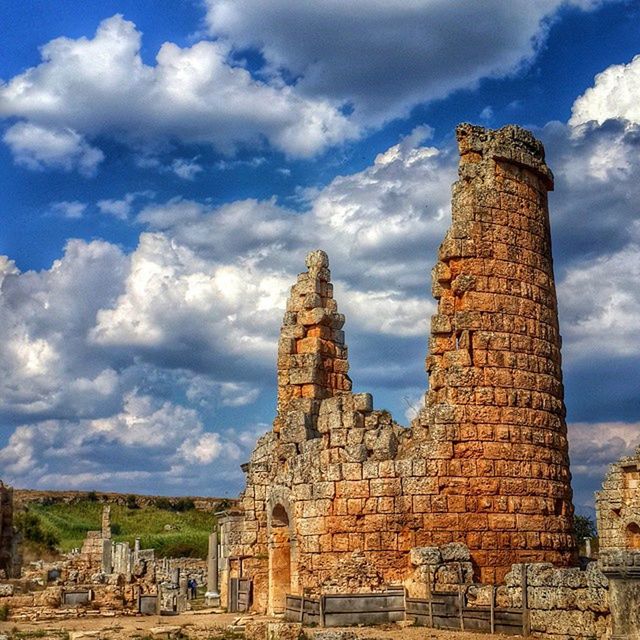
584	527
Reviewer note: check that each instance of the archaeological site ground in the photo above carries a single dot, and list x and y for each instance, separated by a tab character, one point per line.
463	520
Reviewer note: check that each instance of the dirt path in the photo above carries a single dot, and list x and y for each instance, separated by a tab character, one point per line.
199	626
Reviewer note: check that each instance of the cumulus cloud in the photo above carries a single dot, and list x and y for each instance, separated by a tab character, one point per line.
601	302
332	71
100	344
593	446
39	147
148	438
45	317
614	95
383	58
89	87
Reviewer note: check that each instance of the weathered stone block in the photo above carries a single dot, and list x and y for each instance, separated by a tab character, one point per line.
420	556
455	552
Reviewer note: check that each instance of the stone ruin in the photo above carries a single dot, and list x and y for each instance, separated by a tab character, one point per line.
338	494
104	576
10	558
618	517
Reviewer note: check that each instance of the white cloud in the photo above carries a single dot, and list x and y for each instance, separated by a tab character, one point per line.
99	86
39	147
45	318
613	95
594	446
601	304
186	169
73	210
385	57
155	439
356	65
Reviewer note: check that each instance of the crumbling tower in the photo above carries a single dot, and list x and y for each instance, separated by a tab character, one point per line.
312	356
495	404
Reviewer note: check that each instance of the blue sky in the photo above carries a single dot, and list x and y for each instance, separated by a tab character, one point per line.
166	165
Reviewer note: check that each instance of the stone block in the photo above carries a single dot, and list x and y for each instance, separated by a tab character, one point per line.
419	556
455	552
363	402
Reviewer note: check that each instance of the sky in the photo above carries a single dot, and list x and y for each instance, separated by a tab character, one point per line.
165	165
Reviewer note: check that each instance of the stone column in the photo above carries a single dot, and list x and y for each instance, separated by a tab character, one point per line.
212	597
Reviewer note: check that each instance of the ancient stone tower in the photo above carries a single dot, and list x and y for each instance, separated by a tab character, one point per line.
338	494
495	402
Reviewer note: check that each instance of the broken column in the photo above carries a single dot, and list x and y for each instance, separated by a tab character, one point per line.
494	412
107	547
212	596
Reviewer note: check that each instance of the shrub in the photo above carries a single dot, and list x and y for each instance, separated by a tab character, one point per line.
30	525
177	505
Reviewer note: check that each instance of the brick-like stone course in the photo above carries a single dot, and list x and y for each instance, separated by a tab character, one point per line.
484	464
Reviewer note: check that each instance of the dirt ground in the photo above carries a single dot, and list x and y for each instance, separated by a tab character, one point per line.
197	626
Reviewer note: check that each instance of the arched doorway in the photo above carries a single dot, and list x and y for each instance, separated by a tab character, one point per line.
279	560
633	536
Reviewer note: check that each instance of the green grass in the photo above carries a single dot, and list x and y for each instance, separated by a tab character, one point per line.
188	535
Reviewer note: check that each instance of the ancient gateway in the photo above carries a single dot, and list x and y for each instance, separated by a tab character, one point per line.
338	494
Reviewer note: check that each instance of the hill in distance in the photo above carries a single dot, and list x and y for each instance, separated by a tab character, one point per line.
57	521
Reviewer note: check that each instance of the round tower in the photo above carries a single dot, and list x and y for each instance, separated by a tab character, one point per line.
495	410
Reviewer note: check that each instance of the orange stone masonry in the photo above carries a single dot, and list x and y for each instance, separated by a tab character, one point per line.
338	494
495	381
312	356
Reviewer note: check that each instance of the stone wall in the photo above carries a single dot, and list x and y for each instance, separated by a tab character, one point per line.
618	506
561	603
338	493
618	517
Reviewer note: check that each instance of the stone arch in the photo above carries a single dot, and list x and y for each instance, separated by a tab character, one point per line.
282	547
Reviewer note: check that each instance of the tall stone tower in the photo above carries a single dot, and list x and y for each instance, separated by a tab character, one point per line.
495	408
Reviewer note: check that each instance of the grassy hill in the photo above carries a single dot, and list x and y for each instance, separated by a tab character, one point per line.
171	531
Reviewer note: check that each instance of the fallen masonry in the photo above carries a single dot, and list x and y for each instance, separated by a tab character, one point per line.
104	577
